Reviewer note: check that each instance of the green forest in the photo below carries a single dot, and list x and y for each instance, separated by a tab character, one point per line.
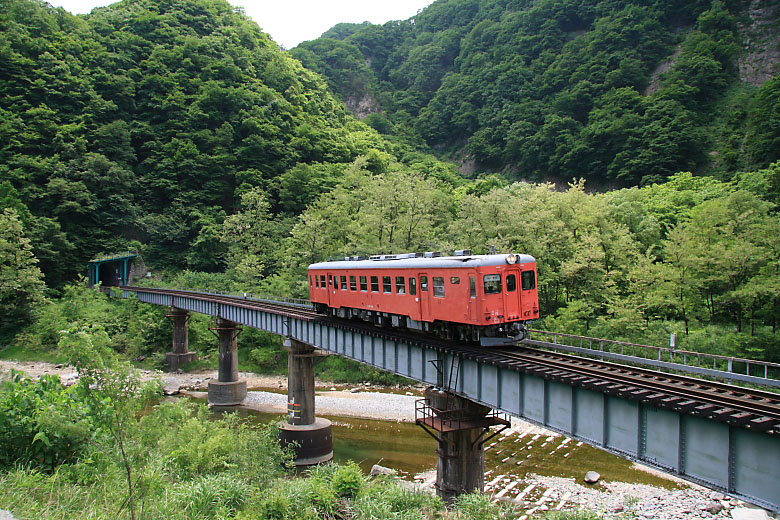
181	130
617	92
633	148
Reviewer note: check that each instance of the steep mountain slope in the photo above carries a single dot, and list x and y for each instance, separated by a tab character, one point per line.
147	120
618	92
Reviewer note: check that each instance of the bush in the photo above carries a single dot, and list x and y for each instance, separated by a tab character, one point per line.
42	423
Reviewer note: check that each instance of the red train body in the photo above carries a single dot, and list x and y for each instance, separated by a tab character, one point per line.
486	298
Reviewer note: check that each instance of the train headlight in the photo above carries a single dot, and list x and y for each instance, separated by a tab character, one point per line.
511	259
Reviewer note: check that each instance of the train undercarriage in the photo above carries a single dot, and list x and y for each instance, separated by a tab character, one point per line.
485	335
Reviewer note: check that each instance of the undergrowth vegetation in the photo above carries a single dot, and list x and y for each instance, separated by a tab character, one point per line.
101	450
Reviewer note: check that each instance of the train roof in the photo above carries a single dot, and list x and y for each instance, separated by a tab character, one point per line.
383	262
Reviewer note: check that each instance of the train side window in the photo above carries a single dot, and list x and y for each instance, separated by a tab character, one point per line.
363	284
343	283
400	285
322	281
412	286
492	283
423	283
387	284
455	280
374	284
511	283
473	286
529	280
352	283
438	287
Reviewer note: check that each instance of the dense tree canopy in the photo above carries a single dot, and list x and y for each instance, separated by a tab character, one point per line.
148	119
561	89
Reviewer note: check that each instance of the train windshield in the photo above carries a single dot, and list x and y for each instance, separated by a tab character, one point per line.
529	280
492	283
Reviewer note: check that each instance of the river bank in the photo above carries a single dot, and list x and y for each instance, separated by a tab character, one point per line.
536	469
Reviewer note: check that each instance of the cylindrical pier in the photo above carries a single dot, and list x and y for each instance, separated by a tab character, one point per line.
312	434
180	354
227	390
461	467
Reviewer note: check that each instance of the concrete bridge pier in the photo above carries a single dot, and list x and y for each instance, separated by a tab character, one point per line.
462	428
181	354
227	390
312	434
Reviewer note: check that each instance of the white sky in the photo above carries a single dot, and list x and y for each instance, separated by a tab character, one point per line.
289	22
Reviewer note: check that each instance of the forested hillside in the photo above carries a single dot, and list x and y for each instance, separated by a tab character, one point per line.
618	92
147	120
179	128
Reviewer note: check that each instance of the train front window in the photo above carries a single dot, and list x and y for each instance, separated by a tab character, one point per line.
343	283
374	284
387	284
511	283
322	281
438	287
423	283
529	280
492	283
352	283
363	284
472	286
412	286
400	285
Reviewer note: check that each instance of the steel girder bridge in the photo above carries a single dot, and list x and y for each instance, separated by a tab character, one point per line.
723	436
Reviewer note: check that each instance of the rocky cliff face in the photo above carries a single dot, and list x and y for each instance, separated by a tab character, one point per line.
761	31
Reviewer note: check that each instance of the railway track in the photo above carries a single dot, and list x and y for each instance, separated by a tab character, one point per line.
737	405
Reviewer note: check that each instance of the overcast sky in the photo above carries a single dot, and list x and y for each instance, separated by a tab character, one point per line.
289	22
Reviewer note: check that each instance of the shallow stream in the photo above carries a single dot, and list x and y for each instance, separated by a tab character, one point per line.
408	449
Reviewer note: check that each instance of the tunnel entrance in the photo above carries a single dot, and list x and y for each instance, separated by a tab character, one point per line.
114	269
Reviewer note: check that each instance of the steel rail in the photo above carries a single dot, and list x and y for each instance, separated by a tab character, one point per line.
674	355
758	402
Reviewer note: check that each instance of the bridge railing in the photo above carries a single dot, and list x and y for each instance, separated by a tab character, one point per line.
716	362
267	298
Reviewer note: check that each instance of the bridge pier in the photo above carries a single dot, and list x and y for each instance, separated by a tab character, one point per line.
312	434
228	390
180	354
462	428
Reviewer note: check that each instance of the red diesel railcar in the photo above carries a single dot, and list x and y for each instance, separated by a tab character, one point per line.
485	298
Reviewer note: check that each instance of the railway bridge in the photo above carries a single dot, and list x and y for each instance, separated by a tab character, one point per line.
724	436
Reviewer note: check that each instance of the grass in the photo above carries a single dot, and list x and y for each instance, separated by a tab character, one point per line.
18	352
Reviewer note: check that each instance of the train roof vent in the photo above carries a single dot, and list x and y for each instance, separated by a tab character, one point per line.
375	257
463	252
432	254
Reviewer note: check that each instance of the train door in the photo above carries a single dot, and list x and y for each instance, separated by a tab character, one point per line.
511	295
332	285
425	296
493	301
472	302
